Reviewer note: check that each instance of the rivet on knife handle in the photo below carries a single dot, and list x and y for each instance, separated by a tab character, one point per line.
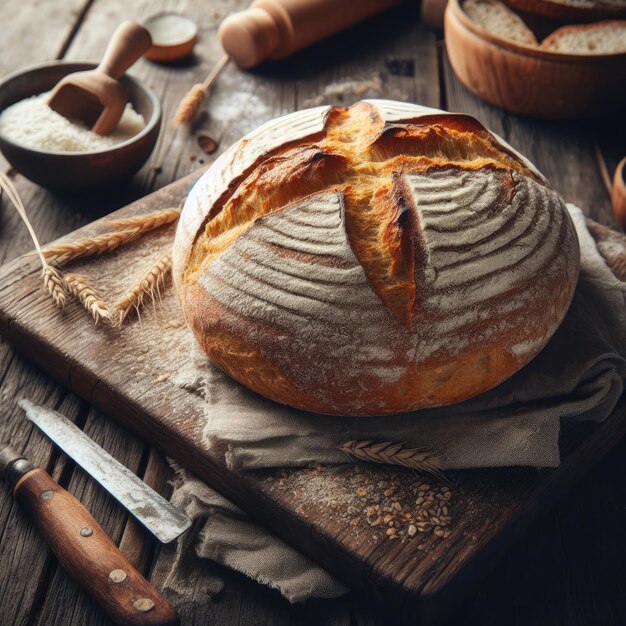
85	550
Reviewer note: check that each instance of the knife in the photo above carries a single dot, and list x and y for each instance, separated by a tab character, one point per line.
158	515
83	548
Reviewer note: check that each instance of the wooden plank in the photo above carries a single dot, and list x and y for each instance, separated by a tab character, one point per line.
279	91
63	598
391	56
24	583
569	567
23	553
535	580
130	374
136	542
27	564
25	41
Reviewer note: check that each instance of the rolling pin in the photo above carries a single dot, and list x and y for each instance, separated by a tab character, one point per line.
273	29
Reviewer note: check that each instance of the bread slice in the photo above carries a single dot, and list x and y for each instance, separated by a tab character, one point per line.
496	18
576	10
599	38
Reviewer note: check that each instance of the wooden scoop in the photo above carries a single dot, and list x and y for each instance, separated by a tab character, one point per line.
96	97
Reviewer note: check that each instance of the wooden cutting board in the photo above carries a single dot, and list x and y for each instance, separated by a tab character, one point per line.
130	374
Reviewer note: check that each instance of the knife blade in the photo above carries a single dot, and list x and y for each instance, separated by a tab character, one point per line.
158	515
83	548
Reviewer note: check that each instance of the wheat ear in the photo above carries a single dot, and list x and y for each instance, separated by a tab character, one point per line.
55	285
88	295
394	454
64	252
52	279
147	287
107	242
191	103
147	221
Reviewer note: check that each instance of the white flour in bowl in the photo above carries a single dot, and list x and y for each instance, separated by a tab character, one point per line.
31	122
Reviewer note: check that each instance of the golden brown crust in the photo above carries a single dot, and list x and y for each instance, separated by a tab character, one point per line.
236	357
381	304
387	241
433	383
362	158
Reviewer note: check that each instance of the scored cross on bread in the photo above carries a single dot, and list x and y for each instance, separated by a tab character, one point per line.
373	260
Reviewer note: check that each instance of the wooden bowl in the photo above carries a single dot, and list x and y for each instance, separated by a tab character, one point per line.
530	81
78	171
173	37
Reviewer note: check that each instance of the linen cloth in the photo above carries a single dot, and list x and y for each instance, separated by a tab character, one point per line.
578	376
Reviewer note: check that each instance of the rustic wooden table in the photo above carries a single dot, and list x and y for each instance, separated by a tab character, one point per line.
567	570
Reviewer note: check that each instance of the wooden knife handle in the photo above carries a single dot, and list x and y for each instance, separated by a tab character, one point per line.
88	554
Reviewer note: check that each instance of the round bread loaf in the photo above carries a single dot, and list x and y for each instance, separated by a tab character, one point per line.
373	260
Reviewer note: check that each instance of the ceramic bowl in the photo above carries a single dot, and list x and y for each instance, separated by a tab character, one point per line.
78	171
530	81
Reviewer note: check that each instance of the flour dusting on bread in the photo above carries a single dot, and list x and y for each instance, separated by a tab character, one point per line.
295	277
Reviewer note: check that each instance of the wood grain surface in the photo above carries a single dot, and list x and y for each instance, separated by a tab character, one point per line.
134	375
567	569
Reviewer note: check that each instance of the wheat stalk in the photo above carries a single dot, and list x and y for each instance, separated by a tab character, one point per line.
148	286
64	252
52	278
63	286
191	103
149	221
394	454
133	227
80	287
